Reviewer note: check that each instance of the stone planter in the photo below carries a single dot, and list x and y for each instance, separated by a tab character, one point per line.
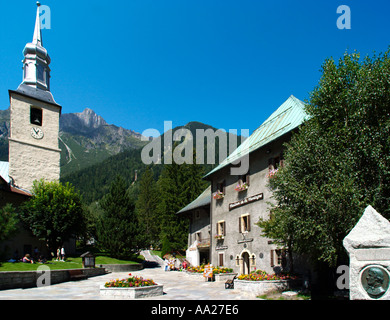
219	277
133	292
222	277
262	287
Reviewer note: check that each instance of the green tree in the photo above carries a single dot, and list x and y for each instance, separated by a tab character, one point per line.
178	185
338	162
171	200
146	209
54	213
117	229
8	222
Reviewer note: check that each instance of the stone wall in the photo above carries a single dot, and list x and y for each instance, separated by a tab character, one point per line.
122	267
28	279
262	287
33	159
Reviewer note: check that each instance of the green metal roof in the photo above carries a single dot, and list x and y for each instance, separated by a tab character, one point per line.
203	200
284	119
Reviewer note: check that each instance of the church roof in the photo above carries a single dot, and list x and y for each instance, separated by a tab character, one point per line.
4	174
287	117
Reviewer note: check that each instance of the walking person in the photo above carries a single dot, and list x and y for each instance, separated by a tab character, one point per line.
58	254
63	254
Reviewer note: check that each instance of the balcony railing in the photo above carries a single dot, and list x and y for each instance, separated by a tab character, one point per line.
204	243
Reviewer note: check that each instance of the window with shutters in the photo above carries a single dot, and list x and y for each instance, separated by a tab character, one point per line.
221	186
243	182
221	229
244	223
277	257
274	164
221	190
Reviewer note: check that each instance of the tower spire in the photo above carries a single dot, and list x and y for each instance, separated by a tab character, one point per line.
36	70
37	38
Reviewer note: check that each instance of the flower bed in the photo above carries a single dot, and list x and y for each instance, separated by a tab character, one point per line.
259	282
216	270
260	275
219	274
133	287
132	281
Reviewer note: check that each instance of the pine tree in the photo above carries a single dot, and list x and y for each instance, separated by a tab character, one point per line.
146	210
178	185
118	227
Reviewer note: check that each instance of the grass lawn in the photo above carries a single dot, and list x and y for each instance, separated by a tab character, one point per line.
70	263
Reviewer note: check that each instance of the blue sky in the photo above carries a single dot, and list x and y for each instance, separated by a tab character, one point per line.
227	63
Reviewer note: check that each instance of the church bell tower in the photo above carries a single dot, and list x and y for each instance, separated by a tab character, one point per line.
34	152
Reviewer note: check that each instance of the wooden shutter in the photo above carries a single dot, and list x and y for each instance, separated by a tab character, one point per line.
239	225
249	223
247	178
224	228
221	259
224	187
272	258
217	229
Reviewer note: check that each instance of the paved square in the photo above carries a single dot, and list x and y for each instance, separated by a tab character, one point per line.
177	286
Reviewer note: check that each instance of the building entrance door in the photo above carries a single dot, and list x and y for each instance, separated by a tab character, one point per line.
245	263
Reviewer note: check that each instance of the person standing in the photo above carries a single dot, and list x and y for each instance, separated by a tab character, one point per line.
62	253
58	254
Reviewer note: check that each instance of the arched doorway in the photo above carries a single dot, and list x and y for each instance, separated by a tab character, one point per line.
245	268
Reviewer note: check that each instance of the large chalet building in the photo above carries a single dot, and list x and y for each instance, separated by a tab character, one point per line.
228	232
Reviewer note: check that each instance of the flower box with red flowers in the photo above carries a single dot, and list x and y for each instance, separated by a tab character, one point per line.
132	287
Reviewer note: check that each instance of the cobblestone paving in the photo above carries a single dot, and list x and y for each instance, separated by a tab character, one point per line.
177	286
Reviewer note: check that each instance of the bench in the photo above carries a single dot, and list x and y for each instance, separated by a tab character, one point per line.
77	274
229	284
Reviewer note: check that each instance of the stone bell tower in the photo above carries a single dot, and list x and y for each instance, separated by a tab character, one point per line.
34	152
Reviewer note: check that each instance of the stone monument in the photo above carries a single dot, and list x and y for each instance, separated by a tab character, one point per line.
368	247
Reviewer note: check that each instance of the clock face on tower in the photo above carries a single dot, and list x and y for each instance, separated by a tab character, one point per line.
36	133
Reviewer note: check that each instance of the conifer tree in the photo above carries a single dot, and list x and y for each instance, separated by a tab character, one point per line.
178	185
146	210
118	227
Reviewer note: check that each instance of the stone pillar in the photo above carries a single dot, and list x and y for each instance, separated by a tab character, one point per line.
368	247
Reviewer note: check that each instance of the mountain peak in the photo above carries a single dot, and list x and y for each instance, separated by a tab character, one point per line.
90	119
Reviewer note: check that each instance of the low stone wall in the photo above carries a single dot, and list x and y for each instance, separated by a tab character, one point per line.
132	293
122	267
222	277
262	287
219	277
28	279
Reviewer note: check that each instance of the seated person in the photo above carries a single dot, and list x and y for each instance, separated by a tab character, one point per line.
27	259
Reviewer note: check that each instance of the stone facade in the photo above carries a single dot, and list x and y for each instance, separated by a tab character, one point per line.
199	236
30	158
241	246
